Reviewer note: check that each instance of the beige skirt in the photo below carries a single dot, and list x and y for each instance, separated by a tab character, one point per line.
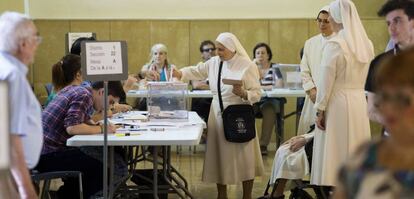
226	162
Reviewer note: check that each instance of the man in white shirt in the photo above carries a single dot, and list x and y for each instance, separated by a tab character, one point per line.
18	43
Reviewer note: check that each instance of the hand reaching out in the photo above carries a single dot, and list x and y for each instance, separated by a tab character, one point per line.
129	83
177	74
152	76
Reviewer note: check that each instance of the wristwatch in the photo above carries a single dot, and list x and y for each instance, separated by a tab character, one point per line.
319	112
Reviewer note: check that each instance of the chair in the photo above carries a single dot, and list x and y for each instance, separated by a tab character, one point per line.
49	88
48	176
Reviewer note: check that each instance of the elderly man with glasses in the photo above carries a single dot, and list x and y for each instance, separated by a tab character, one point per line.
19	40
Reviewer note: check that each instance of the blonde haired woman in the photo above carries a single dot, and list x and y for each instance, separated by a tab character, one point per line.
158	68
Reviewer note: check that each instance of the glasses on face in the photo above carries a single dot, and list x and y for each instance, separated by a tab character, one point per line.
398	100
39	39
209	50
325	21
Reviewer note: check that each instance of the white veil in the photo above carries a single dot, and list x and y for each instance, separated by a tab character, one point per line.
230	41
345	12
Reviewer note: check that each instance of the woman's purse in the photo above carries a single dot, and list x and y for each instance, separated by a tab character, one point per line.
238	120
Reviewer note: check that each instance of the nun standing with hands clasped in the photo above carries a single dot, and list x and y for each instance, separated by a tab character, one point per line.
342	117
227	162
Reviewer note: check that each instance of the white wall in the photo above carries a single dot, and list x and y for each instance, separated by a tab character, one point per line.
174	9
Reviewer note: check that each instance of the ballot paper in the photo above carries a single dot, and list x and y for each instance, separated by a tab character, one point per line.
232	81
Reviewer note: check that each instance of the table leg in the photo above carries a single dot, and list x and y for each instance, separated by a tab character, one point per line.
168	175
155	171
165	170
111	168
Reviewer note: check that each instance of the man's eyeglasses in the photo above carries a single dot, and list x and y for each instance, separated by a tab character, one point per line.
325	21
209	50
39	39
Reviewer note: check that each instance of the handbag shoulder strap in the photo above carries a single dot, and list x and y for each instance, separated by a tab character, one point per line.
219	86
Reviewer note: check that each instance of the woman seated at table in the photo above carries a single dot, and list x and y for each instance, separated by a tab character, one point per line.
158	68
267	107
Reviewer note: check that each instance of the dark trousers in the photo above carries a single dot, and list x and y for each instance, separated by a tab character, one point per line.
74	160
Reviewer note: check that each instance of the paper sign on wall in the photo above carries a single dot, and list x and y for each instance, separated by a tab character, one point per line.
4	128
71	37
105	60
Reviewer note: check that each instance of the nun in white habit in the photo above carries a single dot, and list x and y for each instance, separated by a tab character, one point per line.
227	162
291	162
310	67
342	119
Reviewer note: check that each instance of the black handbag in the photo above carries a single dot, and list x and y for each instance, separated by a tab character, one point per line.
238	120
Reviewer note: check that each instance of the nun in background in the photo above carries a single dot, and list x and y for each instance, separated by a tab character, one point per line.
342	117
227	162
291	161
310	68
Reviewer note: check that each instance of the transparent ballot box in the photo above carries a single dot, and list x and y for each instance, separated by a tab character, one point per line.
166	101
291	75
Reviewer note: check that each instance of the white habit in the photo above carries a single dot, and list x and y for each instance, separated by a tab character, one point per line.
345	62
310	68
226	162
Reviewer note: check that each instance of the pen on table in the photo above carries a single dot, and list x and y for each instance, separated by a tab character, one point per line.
126	134
157	129
132	130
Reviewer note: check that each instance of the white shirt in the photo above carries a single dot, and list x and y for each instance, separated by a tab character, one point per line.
25	111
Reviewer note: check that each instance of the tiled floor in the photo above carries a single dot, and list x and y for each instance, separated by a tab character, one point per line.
190	165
